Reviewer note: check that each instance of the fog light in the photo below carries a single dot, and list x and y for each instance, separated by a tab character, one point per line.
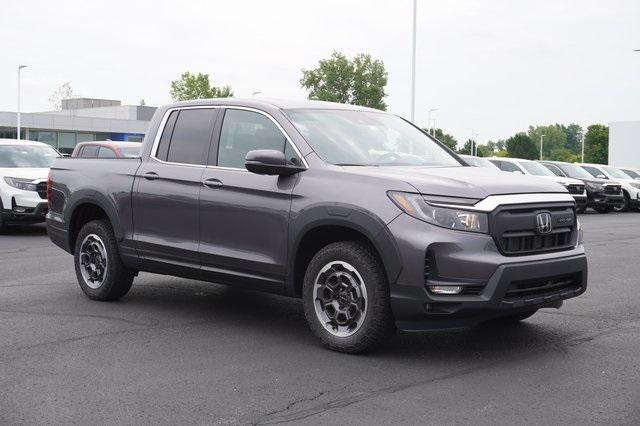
445	289
18	209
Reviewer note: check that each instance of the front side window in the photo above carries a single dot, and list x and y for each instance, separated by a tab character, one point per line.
554	169
190	136
27	156
506	166
362	138
243	131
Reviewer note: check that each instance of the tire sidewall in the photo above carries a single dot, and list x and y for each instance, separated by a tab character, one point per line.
102	230
374	282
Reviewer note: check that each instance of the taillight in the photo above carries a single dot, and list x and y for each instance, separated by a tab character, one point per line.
49	183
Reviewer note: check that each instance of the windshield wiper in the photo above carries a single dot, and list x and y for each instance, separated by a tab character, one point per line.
356	164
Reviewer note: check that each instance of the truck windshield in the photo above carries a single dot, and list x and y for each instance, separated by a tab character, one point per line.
574	171
536	169
27	156
363	138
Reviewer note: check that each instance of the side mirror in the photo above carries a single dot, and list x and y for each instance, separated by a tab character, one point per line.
602	177
270	162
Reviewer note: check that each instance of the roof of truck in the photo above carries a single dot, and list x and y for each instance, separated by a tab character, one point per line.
274	102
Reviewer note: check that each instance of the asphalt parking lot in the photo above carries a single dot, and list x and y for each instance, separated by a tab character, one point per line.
175	351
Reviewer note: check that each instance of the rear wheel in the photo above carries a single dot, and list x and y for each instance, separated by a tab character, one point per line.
99	269
346	298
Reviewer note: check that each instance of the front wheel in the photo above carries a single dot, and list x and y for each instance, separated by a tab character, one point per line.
99	269
346	298
624	206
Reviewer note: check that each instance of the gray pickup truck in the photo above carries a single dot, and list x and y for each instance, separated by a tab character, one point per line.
374	224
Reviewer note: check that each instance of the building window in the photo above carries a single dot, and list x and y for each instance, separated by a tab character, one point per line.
66	142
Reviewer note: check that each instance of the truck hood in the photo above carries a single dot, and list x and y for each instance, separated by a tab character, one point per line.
464	182
24	172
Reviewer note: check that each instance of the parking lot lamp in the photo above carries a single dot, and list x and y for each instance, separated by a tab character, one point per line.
431	127
541	139
19	81
413	64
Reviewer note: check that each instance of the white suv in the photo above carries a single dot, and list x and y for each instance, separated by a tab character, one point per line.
630	186
24	169
528	167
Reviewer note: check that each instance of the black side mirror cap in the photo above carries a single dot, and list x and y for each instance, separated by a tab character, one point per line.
270	162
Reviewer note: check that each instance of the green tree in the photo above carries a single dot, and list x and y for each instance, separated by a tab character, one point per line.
360	81
197	86
574	143
466	148
485	150
445	138
520	145
555	139
596	144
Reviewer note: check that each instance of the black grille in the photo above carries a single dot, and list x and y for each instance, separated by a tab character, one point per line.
428	266
575	189
516	232
42	190
612	189
543	286
472	290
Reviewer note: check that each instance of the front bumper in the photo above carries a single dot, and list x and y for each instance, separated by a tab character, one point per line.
21	214
602	199
474	261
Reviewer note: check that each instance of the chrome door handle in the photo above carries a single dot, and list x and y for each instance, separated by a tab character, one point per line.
150	176
212	183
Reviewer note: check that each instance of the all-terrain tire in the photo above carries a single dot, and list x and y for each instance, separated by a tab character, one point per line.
377	323
116	278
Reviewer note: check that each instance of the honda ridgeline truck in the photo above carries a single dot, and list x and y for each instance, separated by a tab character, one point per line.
371	222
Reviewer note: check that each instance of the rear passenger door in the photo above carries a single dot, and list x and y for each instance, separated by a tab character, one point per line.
244	216
167	189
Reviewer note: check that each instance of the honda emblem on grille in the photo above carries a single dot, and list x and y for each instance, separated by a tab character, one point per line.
543	223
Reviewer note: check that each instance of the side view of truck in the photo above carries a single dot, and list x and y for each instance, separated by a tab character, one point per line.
375	225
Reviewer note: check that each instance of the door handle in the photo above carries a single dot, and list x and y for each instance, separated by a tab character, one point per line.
150	176
212	183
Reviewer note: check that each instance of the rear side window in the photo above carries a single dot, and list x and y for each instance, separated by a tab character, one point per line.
105	152
165	139
192	136
89	152
244	131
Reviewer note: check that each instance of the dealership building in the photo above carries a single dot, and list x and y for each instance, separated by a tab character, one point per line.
80	120
624	144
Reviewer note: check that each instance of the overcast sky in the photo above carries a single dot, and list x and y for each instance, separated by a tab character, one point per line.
496	66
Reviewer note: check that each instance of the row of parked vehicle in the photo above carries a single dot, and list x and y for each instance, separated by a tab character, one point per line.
602	188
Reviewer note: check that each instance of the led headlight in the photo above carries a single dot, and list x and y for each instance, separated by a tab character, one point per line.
452	218
23	184
594	186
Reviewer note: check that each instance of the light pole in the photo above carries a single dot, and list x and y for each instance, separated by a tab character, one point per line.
475	144
582	138
541	139
431	129
19	81
413	64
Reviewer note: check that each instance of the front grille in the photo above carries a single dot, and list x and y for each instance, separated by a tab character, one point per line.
516	232
612	189
529	242
472	290
42	190
575	189
428	266
543	286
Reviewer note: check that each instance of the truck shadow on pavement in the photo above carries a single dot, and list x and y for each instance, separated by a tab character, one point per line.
246	314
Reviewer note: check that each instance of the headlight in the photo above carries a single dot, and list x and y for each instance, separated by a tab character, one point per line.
23	184
594	186
451	218
635	185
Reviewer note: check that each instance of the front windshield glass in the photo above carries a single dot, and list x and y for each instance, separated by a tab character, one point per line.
574	171
27	156
536	169
365	138
617	174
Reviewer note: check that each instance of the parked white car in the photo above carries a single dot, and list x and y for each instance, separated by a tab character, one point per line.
24	169
630	186
533	168
634	173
